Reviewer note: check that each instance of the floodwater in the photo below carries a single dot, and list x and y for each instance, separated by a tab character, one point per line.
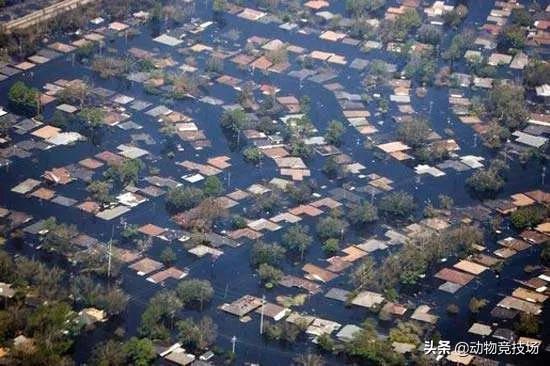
231	275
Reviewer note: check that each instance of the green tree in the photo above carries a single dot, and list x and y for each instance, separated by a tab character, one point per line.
100	191
364	275
139	351
265	253
168	256
24	96
476	304
414	133
528	216
252	154
331	246
334	132
212	186
110	353
199	334
512	37
235	120
486	181
398	203
93	116
454	17
183	198
297	238
527	324
195	291
364	213
126	172
269	274
507	105
331	227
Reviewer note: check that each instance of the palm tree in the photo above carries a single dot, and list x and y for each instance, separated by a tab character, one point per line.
309	359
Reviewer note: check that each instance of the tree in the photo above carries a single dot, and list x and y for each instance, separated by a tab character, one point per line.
414	133
269	274
113	301
236	120
331	168
325	342
536	73
252	154
297	238
459	44
24	96
545	253
445	202
200	334
331	246
398	203
475	304
334	132
527	324
364	213
364	275
110	353
366	345
195	291
212	186
100	191
168	256
265	253
429	33
75	91
183	198
93	116
139	351
528	216
126	172
521	17
331	227
454	17
486	181
359	7
109	67
507	105
309	359
512	37
160	310
299	193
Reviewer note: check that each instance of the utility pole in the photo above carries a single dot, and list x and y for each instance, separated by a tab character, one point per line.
110	254
262	316
233	342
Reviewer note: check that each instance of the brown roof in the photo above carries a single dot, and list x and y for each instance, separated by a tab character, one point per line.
450	275
90	163
162	276
539	196
262	63
43	193
146	265
306	209
89	206
58	176
151	230
317	273
46	132
110	158
246	232
534	237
